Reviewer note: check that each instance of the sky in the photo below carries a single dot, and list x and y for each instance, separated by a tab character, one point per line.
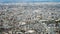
17	1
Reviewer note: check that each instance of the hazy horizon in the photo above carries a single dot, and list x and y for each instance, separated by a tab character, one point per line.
18	1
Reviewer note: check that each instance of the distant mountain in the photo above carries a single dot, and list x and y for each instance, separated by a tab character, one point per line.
17	1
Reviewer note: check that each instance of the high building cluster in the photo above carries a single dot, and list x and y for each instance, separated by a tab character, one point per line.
30	19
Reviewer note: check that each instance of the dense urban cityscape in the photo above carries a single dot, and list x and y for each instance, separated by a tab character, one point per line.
30	18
